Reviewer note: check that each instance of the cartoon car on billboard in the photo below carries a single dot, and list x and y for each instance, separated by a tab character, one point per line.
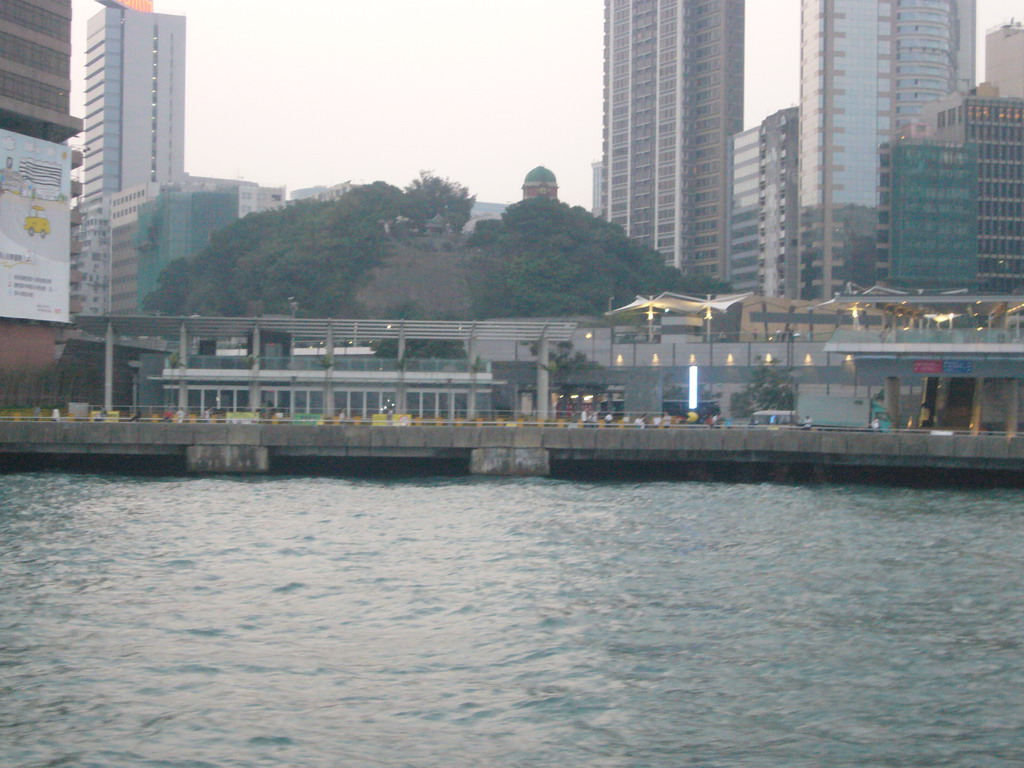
37	223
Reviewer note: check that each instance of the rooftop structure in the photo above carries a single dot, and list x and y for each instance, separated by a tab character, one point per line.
1004	58
540	182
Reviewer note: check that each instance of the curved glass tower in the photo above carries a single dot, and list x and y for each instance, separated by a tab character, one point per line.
866	68
934	52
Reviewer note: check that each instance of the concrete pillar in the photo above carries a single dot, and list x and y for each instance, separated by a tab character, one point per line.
892	401
976	405
183	363
328	383
1012	406
941	401
471	354
108	369
543	379
254	371
400	398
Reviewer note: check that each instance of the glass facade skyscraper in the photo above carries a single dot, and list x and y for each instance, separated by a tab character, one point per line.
867	66
673	96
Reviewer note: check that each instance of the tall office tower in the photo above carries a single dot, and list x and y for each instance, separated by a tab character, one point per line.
779	254
35	183
134	98
994	126
673	95
1004	59
866	68
928	222
744	211
764	215
35	69
134	124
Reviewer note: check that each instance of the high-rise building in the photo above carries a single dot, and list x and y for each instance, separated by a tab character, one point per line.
35	178
134	126
744	214
764	215
867	66
673	95
35	69
1004	58
778	153
929	215
134	98
153	224
994	125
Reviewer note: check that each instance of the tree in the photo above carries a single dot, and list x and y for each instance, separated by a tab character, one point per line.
430	196
420	349
545	258
318	252
769	390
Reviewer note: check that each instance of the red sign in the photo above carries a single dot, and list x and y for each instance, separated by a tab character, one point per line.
927	366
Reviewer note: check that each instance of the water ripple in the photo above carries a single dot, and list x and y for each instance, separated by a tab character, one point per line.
195	623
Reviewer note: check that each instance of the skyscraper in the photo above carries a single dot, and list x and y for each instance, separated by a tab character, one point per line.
993	126
764	220
35	184
134	125
35	69
866	68
673	95
134	98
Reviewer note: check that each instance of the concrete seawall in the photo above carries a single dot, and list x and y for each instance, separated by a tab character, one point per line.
502	450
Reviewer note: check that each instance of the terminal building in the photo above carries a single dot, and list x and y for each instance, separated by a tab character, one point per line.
964	352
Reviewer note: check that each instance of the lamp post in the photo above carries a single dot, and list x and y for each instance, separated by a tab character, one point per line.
792	337
293	306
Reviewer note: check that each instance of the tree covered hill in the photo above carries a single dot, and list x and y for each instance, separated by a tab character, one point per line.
377	252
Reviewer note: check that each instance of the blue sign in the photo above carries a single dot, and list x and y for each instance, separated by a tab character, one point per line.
957	366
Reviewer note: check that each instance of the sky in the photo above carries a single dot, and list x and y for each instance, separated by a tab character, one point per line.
317	92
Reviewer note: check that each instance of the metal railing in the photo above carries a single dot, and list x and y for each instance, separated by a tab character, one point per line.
313	363
618	421
931	336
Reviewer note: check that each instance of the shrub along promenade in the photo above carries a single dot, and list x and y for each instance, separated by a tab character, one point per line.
516	449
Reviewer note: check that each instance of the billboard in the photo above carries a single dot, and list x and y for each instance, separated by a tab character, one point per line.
35	228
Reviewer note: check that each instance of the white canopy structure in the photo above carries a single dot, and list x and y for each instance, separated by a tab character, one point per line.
686	305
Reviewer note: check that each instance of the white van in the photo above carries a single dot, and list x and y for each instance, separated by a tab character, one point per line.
773	418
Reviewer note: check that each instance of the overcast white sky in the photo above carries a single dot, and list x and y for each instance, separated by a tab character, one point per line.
315	92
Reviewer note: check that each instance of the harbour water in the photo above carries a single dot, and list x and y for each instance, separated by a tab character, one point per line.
307	622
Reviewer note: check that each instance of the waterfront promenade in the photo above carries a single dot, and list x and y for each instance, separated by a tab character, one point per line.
515	450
